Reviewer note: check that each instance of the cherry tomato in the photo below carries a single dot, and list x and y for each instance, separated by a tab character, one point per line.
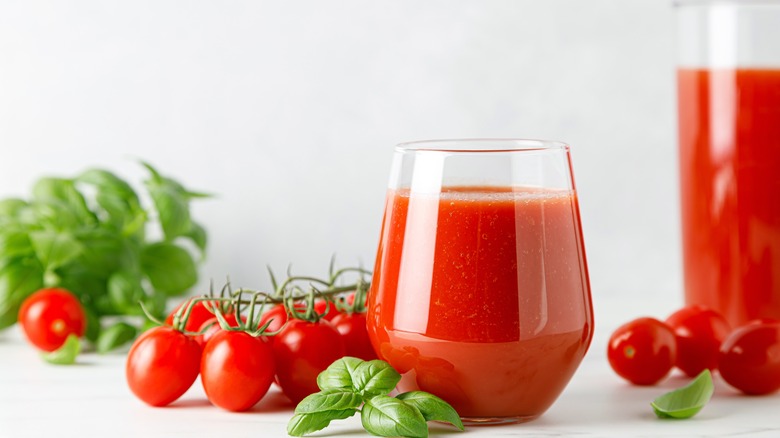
642	351
352	327
321	306
699	331
212	326
277	315
161	365
49	315
750	358
237	370
303	350
198	315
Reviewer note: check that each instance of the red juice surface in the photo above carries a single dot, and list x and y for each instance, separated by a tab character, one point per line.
480	295
729	128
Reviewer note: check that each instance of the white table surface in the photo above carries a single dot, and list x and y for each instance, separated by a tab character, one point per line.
91	399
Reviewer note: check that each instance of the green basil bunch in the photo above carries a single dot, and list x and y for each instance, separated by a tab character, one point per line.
88	234
351	385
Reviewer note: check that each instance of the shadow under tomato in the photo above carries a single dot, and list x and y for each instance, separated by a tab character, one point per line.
274	401
189	403
437	429
351	432
79	363
674	381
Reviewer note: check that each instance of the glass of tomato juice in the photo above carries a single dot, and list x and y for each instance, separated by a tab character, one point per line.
480	292
728	85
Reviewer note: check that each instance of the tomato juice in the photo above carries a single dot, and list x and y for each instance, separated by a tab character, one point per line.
729	134
480	295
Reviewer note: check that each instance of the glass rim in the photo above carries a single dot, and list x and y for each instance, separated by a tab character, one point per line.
482	145
685	3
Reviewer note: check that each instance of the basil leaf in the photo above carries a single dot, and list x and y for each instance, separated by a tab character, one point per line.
302	424
55	248
107	182
388	416
329	400
370	378
82	282
15	242
19	278
170	268
155	304
61	191
92	331
171	202
431	407
125	291
117	199
115	336
66	354
104	251
128	220
687	401
55	215
375	377
11	207
198	236
339	375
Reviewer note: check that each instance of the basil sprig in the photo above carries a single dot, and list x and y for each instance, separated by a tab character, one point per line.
351	385
687	401
89	234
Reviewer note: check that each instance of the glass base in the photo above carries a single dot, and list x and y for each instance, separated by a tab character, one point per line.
494	421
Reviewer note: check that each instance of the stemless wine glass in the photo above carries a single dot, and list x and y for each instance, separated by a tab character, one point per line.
480	292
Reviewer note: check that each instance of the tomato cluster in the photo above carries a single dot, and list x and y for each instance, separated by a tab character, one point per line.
695	338
238	363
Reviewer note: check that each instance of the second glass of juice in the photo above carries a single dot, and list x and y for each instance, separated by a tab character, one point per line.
728	83
480	292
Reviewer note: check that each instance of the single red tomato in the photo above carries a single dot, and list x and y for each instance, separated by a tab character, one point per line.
642	351
352	327
211	327
750	358
49	315
699	331
237	369
198	315
303	350
161	365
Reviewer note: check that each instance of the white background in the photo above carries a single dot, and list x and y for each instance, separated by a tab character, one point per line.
288	111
